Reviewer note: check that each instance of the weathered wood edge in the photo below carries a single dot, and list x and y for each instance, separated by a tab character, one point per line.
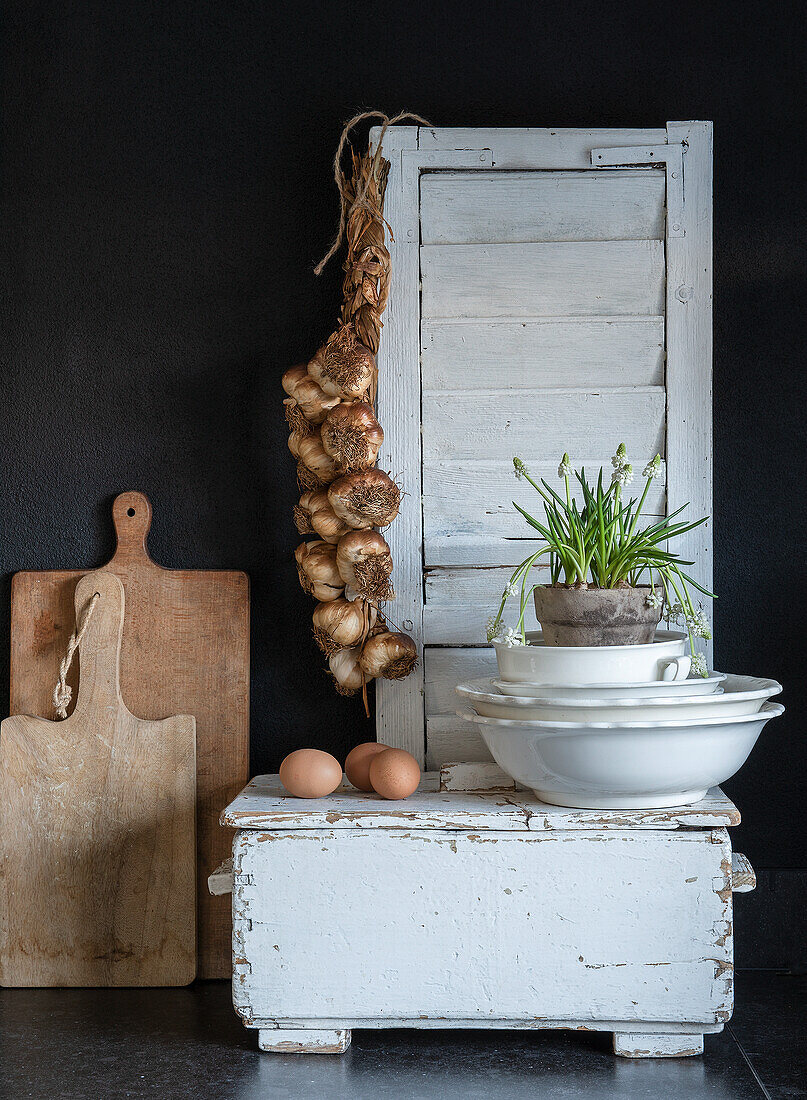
264	805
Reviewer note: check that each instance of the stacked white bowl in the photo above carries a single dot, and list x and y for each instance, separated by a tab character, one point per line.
616	727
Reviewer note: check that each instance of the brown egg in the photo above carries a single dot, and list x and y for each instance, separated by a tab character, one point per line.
394	773
357	765
310	773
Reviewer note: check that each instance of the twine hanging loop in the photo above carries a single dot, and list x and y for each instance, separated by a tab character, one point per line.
348	202
63	693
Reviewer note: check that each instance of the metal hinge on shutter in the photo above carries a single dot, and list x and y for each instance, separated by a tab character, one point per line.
671	156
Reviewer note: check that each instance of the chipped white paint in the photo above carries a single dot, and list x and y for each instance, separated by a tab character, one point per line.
475	777
635	1044
743	875
557	284
220	881
265	805
303	1040
499	911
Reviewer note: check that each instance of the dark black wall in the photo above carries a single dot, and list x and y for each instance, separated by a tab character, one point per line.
166	188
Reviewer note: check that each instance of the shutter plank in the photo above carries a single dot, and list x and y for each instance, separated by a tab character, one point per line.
452	741
474	499
499	424
536	147
578	278
514	207
565	353
445	668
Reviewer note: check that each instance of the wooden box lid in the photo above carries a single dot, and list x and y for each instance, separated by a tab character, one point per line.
493	803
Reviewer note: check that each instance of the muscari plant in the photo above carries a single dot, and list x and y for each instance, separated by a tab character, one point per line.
602	544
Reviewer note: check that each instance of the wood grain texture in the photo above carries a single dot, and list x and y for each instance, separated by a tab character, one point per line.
264	804
497	424
450	740
569	279
98	844
689	353
473	500
185	650
446	667
546	353
399	703
517	207
535	146
510	925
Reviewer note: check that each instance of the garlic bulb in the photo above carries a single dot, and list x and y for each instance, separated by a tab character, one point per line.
302	512
325	521
295	439
346	670
319	469
352	436
293	377
315	403
365	498
316	568
392	656
364	562
343	367
342	623
307	404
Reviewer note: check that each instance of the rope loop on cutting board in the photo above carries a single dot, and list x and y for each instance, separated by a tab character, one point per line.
63	693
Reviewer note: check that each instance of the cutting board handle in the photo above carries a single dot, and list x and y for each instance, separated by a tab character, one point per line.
99	653
131	514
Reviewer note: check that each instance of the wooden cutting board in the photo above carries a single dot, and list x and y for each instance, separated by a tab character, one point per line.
185	651
98	831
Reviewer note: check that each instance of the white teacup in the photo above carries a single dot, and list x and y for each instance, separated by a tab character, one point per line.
662	659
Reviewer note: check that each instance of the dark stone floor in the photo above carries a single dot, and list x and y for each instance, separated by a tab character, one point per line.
104	1044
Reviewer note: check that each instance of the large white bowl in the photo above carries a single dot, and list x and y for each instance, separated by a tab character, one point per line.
622	765
655	689
662	659
741	695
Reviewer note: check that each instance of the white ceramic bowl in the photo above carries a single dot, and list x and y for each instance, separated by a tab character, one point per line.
662	659
655	689
741	695
622	765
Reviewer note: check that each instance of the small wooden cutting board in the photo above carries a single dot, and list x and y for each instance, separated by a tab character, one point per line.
185	651
98	831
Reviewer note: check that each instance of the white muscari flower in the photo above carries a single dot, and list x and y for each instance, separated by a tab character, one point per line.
509	591
511	638
654	468
565	468
622	475
520	469
698	624
653	598
698	666
675	613
494	625
618	459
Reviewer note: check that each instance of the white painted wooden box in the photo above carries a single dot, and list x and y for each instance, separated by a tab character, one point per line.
480	909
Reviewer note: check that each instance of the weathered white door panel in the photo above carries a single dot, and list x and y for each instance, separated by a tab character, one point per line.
475	354
540	304
481	926
555	278
519	207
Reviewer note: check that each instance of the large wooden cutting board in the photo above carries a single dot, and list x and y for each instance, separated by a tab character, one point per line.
185	651
98	831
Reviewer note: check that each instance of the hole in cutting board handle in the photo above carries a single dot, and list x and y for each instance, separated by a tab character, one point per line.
130	511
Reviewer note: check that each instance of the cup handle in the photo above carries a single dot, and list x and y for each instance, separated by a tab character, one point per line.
677	669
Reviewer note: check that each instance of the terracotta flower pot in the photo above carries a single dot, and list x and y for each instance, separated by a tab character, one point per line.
596	616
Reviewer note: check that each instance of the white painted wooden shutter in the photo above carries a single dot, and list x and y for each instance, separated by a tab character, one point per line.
551	291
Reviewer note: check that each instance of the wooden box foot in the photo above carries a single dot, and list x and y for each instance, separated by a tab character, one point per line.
281	1040
646	1044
